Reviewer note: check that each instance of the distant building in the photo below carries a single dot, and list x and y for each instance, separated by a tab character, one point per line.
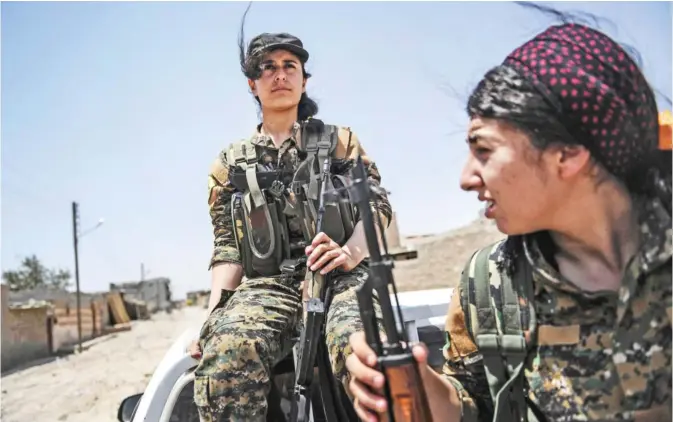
156	292
198	298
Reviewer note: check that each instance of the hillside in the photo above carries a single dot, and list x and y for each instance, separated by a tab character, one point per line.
441	257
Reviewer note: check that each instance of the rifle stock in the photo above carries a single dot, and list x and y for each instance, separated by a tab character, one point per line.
403	388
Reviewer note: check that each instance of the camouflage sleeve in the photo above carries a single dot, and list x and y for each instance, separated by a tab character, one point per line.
463	365
219	203
350	148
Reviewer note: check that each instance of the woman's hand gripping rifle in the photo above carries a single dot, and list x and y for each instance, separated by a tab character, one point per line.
403	388
315	317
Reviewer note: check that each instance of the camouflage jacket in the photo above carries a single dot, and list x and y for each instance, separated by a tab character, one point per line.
220	189
598	356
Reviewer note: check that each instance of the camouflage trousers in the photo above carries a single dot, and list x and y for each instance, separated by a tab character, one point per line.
249	332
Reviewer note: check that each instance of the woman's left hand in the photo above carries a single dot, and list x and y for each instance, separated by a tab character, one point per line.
325	254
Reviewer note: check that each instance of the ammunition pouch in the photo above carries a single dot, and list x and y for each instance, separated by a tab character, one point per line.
261	236
339	218
260	207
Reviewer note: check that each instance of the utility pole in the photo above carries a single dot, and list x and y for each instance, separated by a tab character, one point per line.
157	295
142	282
75	237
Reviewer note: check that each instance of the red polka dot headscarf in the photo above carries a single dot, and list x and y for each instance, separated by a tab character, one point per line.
602	98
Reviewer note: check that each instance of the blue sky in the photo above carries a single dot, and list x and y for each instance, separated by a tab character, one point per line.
123	106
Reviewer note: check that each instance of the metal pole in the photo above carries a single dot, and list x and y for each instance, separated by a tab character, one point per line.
141	285
75	217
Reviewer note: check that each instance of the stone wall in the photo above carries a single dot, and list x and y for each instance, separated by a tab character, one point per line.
25	332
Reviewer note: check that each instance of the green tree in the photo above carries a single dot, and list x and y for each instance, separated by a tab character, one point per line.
32	273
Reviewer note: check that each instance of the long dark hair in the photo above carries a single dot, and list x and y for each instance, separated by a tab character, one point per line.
250	67
506	95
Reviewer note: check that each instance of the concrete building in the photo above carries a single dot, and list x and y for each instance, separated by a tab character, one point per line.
156	292
61	298
26	331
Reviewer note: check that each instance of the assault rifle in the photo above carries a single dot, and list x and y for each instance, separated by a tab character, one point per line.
312	348
403	387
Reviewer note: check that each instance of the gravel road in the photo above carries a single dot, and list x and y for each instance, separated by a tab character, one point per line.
91	385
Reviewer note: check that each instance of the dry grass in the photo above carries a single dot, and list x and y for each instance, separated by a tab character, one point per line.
441	258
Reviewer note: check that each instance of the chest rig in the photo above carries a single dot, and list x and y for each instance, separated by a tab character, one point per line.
266	199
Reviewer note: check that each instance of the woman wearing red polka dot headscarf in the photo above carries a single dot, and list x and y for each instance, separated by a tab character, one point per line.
569	318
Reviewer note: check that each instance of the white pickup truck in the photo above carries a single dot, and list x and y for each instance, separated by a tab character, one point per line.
169	394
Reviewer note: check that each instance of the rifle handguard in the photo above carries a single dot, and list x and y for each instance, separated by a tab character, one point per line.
406	389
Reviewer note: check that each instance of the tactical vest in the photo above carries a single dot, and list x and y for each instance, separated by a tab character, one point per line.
266	198
495	324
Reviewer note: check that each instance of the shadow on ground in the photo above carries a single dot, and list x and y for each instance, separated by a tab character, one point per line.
64	352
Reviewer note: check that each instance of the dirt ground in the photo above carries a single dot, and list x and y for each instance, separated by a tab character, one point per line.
91	385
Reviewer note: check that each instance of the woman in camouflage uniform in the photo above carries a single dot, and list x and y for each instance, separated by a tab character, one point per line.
563	149
251	324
